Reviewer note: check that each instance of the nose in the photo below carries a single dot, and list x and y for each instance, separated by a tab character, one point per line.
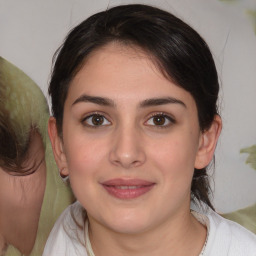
127	150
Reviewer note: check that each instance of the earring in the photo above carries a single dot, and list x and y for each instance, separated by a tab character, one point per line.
62	176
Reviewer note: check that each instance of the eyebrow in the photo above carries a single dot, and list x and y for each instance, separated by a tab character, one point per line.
94	99
145	103
161	101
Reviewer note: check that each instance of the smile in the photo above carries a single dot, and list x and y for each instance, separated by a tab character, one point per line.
127	189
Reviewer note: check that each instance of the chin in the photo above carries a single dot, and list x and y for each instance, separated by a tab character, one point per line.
129	223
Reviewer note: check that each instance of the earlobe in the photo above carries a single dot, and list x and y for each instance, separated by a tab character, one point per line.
207	144
57	146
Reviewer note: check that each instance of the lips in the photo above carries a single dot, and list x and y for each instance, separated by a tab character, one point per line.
127	189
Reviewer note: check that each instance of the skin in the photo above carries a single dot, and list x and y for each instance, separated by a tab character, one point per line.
21	198
130	144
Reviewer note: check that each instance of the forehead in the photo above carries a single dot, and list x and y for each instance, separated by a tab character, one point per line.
120	71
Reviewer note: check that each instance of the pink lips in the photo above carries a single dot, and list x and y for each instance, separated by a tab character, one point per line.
127	189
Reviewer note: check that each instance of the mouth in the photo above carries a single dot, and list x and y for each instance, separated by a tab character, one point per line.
127	189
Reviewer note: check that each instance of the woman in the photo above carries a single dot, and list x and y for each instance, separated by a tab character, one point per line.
23	115
31	194
134	92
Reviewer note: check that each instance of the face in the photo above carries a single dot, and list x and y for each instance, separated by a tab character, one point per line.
131	140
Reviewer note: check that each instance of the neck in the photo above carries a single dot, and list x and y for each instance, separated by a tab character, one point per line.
185	237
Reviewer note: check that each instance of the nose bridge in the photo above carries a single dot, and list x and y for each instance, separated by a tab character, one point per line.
127	148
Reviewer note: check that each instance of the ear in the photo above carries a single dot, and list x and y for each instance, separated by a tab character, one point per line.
207	143
57	147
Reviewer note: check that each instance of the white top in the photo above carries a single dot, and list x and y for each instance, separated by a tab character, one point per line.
225	238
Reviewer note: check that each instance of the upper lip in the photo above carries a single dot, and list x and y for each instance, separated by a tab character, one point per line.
127	182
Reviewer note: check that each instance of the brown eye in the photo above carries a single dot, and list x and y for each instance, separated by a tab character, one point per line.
96	120
159	120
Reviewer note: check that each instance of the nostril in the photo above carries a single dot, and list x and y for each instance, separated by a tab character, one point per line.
130	159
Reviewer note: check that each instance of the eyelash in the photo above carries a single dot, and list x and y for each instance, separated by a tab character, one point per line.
167	118
85	119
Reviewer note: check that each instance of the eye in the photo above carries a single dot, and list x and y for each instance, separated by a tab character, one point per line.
160	120
95	120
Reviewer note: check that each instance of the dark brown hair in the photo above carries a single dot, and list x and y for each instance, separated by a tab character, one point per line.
15	138
177	50
12	153
9	145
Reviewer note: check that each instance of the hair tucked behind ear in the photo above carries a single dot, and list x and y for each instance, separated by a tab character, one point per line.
200	187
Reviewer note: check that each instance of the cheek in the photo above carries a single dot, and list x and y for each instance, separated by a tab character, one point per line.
175	158
85	159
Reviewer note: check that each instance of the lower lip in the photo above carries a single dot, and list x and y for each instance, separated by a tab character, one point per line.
128	193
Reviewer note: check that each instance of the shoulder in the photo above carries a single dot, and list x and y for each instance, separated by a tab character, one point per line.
67	235
241	240
229	238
